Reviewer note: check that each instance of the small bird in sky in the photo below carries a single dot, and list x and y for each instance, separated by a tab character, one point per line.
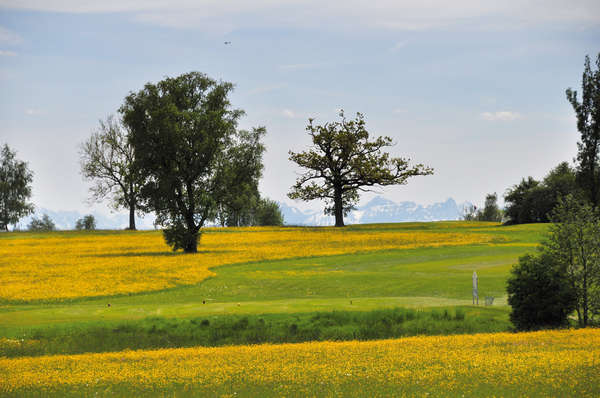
227	42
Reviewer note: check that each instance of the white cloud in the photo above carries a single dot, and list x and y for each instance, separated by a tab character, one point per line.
386	14
6	53
8	36
288	113
505	116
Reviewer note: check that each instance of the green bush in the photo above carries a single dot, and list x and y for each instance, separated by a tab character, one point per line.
539	293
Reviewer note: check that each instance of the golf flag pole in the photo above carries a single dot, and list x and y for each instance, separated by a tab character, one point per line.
475	292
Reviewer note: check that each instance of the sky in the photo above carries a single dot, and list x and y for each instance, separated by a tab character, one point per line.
474	89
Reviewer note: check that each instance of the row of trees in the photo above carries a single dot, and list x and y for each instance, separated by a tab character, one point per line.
175	151
532	201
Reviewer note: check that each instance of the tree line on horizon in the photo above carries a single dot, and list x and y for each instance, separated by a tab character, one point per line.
175	150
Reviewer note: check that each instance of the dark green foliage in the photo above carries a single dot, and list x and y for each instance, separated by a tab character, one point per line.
532	201
268	213
343	161
87	223
518	210
539	293
253	329
15	188
587	112
256	211
107	159
43	224
239	197
491	211
183	133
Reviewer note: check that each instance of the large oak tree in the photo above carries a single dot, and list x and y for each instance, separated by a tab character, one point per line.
344	161
183	131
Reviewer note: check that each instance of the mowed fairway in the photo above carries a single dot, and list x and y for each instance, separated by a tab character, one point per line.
103	284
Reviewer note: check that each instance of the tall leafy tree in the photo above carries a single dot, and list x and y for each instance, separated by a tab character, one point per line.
15	188
181	130
491	211
587	111
241	171
574	243
107	159
517	198
344	161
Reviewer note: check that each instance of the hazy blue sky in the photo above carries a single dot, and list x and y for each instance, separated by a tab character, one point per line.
471	88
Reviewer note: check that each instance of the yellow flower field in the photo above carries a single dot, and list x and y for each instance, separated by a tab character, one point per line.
64	265
548	363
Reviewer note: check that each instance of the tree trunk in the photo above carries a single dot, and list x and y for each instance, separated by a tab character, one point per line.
338	208
585	297
190	238
132	216
191	244
593	185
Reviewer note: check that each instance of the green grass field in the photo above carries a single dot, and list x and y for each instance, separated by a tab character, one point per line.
421	278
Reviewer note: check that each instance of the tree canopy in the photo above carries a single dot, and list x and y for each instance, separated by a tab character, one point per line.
15	188
532	201
183	133
241	171
587	111
343	161
107	158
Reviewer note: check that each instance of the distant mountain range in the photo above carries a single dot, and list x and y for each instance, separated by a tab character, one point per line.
377	210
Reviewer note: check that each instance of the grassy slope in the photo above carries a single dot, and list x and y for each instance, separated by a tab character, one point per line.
416	277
